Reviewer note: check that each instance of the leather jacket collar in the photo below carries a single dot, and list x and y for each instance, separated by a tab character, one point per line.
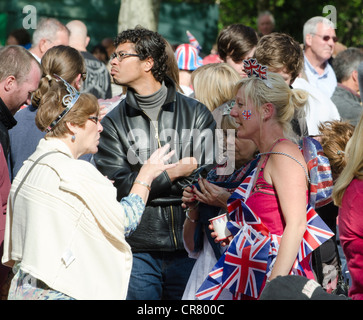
6	118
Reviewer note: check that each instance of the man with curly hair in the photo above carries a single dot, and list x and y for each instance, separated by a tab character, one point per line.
153	114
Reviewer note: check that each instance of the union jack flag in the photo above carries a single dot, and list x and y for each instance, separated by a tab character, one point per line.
252	67
251	254
315	235
246	114
321	182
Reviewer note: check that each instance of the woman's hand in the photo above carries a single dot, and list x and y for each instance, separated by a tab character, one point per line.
214	235
189	199
156	164
184	168
211	194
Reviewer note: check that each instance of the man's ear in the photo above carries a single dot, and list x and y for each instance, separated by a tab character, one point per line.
308	39
148	64
9	83
354	76
42	45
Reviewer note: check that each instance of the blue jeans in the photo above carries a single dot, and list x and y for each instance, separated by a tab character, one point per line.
159	275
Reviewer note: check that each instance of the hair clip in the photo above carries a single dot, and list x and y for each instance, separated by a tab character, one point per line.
228	107
340	152
253	68
68	101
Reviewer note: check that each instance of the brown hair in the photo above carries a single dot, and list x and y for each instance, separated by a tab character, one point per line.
51	107
334	138
172	66
280	52
63	61
236	40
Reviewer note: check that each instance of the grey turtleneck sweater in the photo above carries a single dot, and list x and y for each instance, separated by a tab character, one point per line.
152	103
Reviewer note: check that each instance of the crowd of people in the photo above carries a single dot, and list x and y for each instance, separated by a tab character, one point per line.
113	162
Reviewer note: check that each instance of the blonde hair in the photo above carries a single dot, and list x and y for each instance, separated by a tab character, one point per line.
51	107
354	167
214	84
285	100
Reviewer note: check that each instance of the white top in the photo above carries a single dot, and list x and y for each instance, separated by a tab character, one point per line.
66	227
319	107
206	260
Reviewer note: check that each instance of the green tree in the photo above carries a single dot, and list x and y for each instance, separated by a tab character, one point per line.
290	16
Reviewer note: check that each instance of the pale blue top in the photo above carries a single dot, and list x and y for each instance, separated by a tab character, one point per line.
325	82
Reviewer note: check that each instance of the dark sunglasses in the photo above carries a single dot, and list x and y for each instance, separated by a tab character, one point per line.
326	38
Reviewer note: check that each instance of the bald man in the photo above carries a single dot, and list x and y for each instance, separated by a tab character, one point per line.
98	80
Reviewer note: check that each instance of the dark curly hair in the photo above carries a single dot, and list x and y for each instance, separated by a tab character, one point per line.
147	44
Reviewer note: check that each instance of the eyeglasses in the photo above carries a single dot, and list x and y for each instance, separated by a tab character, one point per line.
122	55
326	38
94	119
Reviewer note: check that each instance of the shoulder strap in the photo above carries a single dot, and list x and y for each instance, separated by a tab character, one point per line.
270	151
291	157
31	168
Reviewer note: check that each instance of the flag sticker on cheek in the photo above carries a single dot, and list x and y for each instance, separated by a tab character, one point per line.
246	115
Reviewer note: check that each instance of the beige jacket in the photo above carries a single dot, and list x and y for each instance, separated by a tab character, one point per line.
66	227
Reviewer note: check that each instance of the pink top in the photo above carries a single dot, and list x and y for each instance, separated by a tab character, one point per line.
351	235
264	201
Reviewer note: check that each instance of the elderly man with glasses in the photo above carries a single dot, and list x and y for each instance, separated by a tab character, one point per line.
319	42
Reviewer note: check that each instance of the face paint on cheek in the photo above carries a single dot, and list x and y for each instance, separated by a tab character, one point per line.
246	114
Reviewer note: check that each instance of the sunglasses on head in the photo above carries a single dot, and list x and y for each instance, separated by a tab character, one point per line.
326	38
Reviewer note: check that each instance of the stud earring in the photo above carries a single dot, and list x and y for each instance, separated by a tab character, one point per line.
73	138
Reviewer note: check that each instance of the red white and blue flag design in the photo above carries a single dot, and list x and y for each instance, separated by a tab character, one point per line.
321	182
187	57
253	68
246	114
249	259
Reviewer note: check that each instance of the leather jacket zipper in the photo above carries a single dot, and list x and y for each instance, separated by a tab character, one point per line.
171	208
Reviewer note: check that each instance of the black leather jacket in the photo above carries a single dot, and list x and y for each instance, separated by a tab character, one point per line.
7	121
129	137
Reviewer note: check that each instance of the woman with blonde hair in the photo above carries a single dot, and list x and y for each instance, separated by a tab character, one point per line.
65	230
214	83
348	196
268	210
67	63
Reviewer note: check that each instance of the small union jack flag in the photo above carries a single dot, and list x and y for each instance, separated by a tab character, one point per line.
321	181
253	68
246	114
